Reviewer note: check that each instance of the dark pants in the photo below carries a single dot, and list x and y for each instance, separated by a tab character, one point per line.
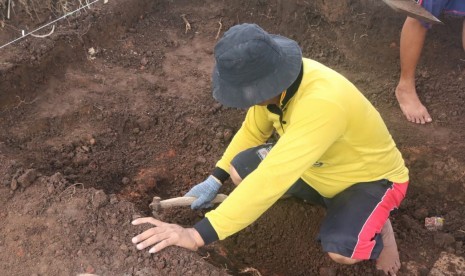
354	217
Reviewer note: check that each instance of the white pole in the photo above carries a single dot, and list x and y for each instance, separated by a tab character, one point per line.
8	13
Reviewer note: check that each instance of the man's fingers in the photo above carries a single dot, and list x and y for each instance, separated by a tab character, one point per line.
147	234
168	235
191	194
163	244
154	239
197	204
201	203
147	220
207	205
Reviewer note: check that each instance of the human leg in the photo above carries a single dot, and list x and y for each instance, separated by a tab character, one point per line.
388	260
356	225
235	177
248	160
411	44
338	258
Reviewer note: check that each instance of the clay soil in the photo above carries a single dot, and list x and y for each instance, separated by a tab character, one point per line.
115	107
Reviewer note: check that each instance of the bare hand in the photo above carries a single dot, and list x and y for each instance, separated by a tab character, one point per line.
166	234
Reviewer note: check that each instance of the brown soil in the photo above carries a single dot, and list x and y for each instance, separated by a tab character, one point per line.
88	139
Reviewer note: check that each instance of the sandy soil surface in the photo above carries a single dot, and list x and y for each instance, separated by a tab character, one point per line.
115	107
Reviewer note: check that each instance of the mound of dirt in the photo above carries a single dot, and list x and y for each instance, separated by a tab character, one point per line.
54	228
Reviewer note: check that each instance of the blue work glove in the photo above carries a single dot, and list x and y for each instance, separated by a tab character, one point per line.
204	192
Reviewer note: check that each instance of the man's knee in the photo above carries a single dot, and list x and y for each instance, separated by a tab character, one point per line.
342	259
236	179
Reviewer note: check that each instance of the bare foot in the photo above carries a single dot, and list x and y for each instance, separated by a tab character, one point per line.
388	261
410	104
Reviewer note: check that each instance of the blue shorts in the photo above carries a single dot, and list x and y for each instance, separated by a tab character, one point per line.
354	217
437	7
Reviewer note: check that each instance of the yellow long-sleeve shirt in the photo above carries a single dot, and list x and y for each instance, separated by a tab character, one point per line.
330	136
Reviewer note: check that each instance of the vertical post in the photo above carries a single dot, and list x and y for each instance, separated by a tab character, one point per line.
8	13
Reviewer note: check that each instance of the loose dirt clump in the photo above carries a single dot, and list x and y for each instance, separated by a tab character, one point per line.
115	107
54	228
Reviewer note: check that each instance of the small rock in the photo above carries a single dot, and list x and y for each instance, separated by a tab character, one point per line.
144	61
98	253
50	188
100	199
216	107
161	264
81	159
58	182
26	179
442	116
201	160
219	135
14	184
113	199
90	269
125	180
124	248
144	123
88	240
227	134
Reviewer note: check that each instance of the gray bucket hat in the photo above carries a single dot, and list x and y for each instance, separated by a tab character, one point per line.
253	66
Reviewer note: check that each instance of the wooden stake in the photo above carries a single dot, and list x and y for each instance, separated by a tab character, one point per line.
188	25
219	29
8	12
